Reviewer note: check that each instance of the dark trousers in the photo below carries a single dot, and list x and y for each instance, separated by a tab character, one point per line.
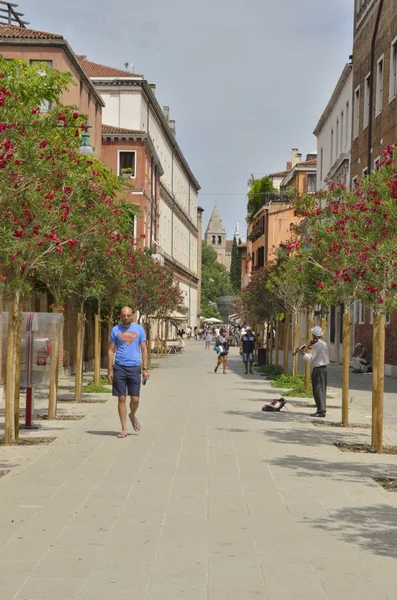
319	382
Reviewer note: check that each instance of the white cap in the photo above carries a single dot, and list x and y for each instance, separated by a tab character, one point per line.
248	328
317	331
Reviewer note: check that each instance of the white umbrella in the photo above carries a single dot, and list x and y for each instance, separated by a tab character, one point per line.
212	320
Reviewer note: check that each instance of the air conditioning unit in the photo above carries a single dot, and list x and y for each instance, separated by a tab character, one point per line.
158	258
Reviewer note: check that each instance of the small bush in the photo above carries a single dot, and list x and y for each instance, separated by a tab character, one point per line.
295	385
92	388
271	371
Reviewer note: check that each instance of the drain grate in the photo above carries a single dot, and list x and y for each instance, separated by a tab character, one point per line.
388	483
30	441
338	424
363	448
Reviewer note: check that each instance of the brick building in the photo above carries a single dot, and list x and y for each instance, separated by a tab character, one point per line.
131	154
374	82
374	122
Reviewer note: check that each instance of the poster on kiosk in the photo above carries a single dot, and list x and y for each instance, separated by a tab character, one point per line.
39	337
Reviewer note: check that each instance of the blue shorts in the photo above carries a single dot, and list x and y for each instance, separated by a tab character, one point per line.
126	379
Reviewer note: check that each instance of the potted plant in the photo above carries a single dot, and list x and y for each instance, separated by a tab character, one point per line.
126	173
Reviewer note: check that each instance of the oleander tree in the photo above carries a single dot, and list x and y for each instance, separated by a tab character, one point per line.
50	196
354	236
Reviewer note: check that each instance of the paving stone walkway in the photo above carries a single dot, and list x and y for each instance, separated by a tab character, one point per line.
213	500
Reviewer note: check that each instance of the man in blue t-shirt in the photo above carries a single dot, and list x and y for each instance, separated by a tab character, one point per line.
127	343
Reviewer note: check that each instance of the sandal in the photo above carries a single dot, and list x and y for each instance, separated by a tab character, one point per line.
121	435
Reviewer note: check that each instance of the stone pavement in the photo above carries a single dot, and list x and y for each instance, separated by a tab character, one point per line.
213	500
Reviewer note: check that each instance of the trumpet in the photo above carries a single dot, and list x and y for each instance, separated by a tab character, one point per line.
305	346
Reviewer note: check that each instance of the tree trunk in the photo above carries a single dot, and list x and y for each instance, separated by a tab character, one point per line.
9	434
78	391
56	337
286	342
295	344
375	381
270	332
149	343
277	343
381	384
309	327
345	366
18	344
97	347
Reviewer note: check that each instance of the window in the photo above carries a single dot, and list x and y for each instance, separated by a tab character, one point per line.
365	172
347	132
35	62
332	147
321	163
393	71
376	163
126	166
379	86
366	100
371	317
219	239
337	140
342	130
133	227
388	318
354	181
356	112
361	313
311	182
45	106
213	239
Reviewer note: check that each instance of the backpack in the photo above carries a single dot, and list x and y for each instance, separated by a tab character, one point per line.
275	405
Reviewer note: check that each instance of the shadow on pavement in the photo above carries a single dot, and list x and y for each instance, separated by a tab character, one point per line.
372	528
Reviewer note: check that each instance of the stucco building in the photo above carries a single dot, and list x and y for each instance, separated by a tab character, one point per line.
333	133
131	104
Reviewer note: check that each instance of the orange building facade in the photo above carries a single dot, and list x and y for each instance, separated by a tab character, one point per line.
131	155
31	45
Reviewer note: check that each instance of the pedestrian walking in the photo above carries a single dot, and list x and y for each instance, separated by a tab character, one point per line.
247	348
208	338
222	350
127	344
319	358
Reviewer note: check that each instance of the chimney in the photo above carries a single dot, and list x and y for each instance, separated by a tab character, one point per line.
311	156
153	87
296	156
166	111
172	126
289	166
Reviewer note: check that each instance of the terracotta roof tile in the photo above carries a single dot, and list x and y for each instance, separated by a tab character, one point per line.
279	174
110	129
308	163
97	70
16	32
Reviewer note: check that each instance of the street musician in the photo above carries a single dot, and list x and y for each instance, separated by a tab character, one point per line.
319	357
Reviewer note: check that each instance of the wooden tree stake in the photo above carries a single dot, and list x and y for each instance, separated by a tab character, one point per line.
345	367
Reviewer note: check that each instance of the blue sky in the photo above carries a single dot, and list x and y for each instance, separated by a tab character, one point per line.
246	80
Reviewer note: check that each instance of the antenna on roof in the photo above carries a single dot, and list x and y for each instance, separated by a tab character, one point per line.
126	64
9	14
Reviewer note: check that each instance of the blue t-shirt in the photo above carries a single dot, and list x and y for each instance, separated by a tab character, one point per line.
128	344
